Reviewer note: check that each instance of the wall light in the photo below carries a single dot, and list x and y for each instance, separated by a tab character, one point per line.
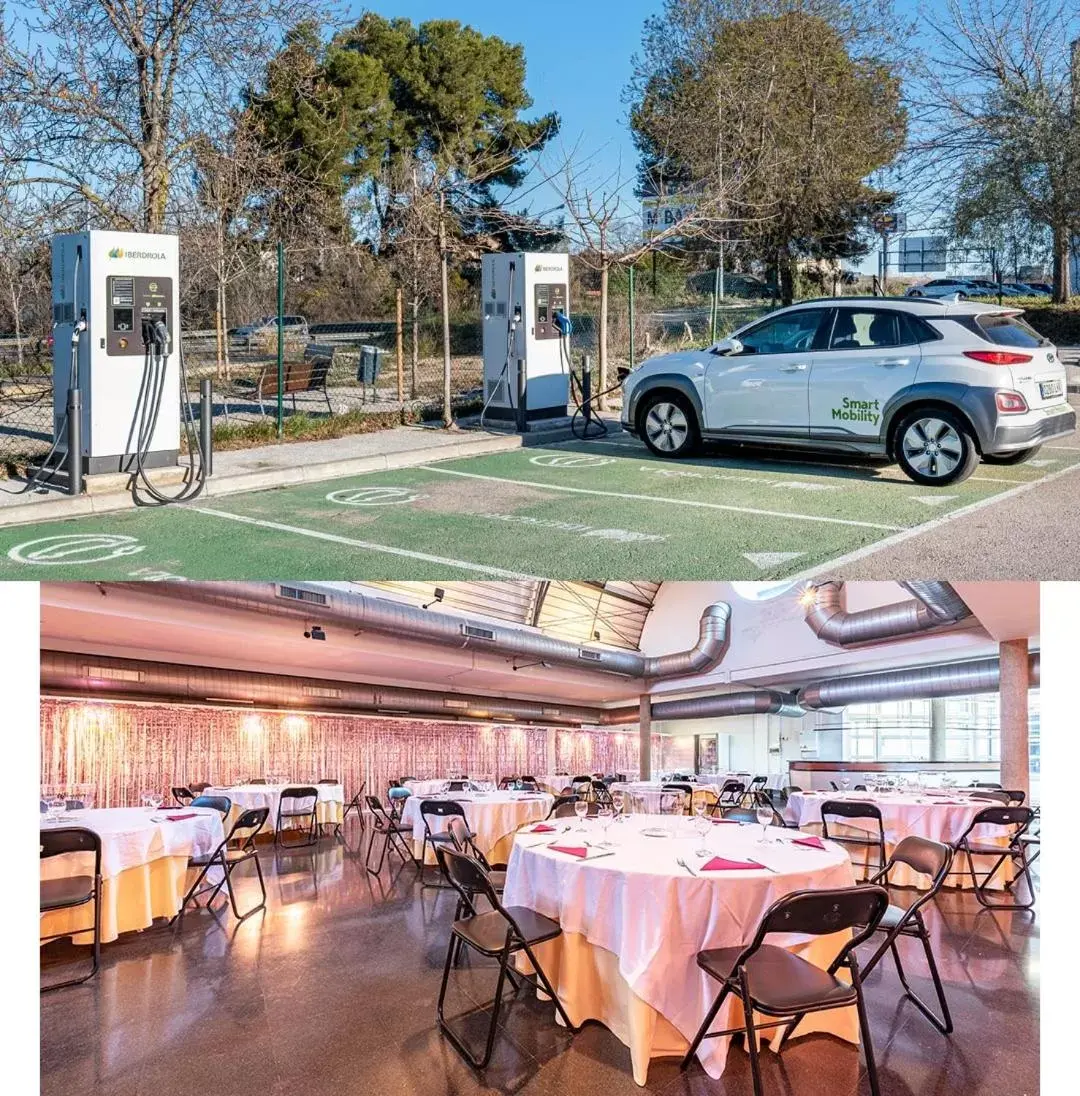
762	591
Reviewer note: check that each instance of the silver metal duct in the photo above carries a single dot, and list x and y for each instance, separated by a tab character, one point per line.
746	702
323	605
922	683
122	678
933	604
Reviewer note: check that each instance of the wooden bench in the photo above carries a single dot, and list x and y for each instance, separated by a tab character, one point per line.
309	375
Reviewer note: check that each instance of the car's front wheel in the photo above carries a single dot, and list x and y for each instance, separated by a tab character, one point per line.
935	447
1018	456
668	425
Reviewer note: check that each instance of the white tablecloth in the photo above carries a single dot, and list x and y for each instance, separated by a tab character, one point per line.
426	787
653	917
493	817
246	797
130	836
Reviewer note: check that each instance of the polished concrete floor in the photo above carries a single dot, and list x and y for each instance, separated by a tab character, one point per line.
332	989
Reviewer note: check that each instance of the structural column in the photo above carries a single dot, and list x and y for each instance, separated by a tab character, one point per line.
1015	680
937	728
552	749
644	738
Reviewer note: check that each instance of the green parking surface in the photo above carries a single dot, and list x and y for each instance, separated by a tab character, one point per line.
574	510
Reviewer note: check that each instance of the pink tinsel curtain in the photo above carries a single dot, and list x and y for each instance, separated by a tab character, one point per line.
125	749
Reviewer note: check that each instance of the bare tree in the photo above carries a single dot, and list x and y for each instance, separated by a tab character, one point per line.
604	228
113	92
999	102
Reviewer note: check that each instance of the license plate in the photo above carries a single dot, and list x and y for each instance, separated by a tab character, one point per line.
1049	389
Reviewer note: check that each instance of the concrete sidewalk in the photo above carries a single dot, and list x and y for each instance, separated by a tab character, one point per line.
282	465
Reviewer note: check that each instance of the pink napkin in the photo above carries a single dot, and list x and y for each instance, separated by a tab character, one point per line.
180	817
570	850
809	842
724	821
541	827
719	863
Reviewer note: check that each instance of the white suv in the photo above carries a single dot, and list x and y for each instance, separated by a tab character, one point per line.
935	385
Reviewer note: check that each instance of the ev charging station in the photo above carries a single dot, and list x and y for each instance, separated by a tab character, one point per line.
118	383
526	330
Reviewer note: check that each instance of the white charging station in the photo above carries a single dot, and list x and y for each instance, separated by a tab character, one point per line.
522	292
118	282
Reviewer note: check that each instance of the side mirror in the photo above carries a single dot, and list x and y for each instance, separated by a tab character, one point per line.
730	345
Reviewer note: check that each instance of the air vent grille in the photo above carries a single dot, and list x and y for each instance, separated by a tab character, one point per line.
320	690
311	597
474	632
112	673
463	705
590	656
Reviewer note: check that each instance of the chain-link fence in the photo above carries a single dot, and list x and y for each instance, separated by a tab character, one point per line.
346	375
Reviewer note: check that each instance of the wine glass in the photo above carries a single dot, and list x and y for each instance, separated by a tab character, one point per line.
618	803
764	817
604	815
57	806
845	783
701	824
581	809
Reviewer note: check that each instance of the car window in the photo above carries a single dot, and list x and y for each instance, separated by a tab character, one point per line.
784	334
1009	331
913	329
864	329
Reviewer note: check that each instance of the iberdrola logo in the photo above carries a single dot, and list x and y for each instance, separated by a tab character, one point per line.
116	253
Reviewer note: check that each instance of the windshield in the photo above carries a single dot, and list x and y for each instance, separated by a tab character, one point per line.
1009	331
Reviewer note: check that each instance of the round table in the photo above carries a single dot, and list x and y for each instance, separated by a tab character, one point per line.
494	817
633	921
645	794
427	787
244	797
938	817
144	866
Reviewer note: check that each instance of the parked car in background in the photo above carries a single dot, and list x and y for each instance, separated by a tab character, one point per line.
946	287
748	286
1022	289
936	385
295	327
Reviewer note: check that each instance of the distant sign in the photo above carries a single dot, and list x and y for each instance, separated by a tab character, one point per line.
923	254
890	223
662	214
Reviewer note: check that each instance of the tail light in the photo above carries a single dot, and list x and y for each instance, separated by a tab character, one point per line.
1010	403
998	357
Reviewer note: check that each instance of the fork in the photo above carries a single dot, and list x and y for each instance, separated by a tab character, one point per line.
683	864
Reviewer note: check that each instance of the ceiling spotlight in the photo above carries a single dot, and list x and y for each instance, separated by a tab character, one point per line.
440	593
315	632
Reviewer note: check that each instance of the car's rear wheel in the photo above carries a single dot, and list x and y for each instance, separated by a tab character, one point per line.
935	447
1018	456
668	425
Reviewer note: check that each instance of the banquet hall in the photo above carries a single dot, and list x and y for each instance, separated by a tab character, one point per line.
531	836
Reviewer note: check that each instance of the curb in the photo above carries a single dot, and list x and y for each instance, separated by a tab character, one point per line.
218	486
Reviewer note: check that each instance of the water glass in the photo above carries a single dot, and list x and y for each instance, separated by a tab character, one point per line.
57	806
701	824
764	817
581	809
604	815
845	783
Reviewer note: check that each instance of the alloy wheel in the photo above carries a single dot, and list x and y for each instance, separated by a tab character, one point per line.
666	426
932	447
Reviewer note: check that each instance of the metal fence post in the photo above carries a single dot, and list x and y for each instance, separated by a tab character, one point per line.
715	304
630	291
586	390
206	424
400	349
280	338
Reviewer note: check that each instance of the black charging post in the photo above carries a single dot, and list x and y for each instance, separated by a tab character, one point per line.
522	409
206	423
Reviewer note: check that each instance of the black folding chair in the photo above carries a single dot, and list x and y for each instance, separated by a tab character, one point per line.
395	835
257	780
834	786
499	934
749	815
979	784
843	808
730	793
529	784
183	795
755	786
1015	822
355	804
298	794
199	787
68	892
563	807
778	983
244	831
601	794
1004	798
686	789
762	798
465	842
220	803
437	808
929	858
1016	796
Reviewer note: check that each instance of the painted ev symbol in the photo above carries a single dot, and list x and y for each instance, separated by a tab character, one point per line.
373	496
569	460
75	548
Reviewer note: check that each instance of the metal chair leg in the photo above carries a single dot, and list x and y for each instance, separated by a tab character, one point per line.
751	1034
864	1028
702	1031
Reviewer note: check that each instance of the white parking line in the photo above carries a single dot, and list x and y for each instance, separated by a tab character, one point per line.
443	561
665	501
829	567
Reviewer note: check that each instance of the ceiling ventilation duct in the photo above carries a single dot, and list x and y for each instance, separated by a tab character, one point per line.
361	612
745	702
932	605
922	683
